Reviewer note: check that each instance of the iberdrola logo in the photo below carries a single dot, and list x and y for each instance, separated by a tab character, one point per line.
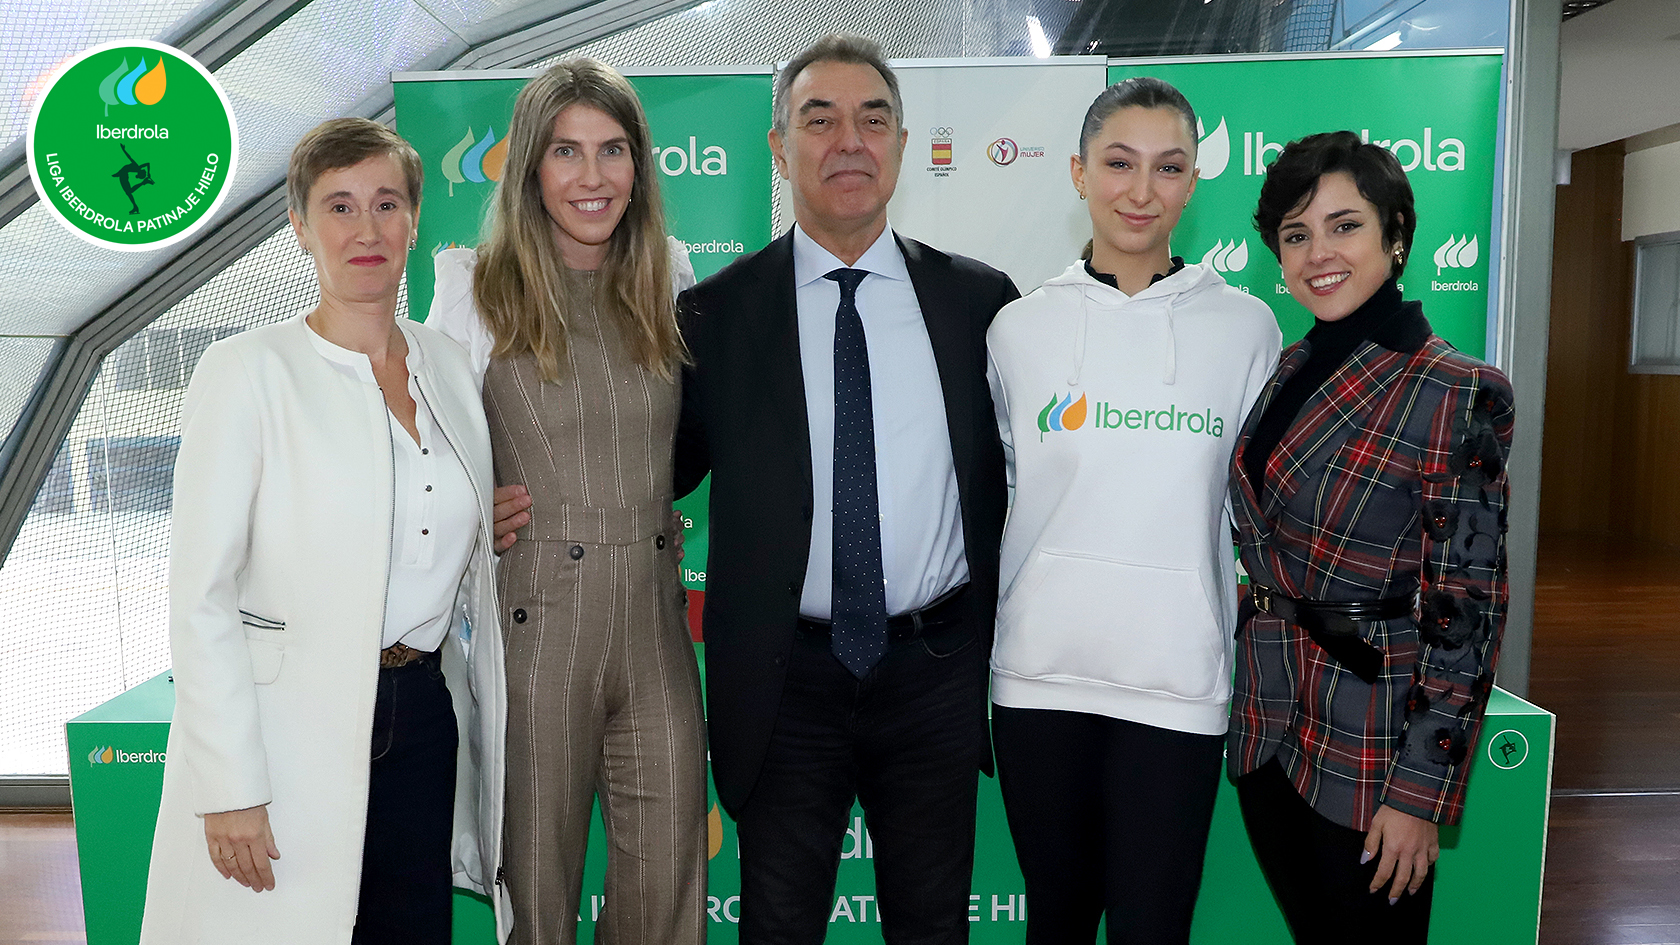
137	86
1061	414
475	159
102	756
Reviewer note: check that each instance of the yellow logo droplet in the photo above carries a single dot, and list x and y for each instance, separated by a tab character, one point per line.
149	88
107	756
714	832
494	159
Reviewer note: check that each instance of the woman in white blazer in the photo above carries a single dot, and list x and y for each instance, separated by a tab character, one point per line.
331	589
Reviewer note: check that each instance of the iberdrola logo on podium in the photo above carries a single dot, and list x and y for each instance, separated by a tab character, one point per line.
132	145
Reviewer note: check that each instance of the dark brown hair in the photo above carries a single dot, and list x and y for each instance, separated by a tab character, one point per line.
1292	182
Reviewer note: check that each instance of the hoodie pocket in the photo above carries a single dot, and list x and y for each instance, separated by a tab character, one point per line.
1093	619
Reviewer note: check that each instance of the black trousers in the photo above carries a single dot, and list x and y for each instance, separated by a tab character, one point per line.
407	895
1109	817
1312	865
906	742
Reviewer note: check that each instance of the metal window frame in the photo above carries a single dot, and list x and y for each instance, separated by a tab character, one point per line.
1640	265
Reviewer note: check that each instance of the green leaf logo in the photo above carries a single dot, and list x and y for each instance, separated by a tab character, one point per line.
1044	418
108	86
452	162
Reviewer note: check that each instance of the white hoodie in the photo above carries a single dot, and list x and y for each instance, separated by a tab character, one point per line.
1119	415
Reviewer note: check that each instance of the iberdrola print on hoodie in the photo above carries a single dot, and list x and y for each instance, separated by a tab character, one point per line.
1119	416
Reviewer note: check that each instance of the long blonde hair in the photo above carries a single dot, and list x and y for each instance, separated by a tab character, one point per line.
519	281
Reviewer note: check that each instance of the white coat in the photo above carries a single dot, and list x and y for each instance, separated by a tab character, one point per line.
284	500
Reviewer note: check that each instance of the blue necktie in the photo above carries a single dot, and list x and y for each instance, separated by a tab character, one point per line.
859	596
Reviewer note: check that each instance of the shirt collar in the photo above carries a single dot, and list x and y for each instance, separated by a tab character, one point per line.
812	262
354	363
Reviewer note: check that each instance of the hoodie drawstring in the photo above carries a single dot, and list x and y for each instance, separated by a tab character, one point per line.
1079	340
1170	374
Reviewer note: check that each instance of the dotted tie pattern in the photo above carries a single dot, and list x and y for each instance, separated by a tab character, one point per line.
860	595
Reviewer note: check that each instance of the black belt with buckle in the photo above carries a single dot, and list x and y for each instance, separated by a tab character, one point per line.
902	627
1335	625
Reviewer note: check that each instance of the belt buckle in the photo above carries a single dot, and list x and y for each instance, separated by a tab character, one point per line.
1262	596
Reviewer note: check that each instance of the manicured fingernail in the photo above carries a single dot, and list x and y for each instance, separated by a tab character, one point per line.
1365	857
1393	900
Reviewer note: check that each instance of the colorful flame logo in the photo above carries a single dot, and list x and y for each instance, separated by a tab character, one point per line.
137	86
475	160
101	756
1060	415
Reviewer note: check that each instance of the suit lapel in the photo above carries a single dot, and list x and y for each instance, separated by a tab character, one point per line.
1253	502
783	377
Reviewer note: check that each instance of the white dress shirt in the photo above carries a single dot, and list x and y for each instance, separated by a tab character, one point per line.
435	518
921	519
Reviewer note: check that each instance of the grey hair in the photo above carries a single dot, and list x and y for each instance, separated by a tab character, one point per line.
835	47
1141	91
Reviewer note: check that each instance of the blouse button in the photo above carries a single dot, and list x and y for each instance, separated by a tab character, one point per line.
428	488
425	531
519	615
577	552
425	452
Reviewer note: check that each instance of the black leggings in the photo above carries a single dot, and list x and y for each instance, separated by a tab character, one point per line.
1108	817
1312	865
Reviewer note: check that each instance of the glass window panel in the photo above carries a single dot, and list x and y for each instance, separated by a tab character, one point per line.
84	590
1656	307
36	37
325	60
22	361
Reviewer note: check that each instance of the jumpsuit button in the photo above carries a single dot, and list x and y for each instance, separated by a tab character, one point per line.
519	615
781	661
793	587
659	542
577	552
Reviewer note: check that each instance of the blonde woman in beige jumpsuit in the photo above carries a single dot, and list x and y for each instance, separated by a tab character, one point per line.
568	306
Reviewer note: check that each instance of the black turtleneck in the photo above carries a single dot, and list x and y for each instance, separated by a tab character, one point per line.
1108	279
1384	318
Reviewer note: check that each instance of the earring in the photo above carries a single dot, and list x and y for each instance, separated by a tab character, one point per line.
304	250
1082	195
1399	257
413	241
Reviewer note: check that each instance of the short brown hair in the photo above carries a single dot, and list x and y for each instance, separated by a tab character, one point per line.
346	142
835	47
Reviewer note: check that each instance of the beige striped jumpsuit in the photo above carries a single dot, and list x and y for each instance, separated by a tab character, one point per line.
603	690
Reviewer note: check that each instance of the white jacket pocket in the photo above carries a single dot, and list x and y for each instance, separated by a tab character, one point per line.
268	651
1088	618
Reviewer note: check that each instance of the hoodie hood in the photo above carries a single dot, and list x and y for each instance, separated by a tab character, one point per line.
1157	301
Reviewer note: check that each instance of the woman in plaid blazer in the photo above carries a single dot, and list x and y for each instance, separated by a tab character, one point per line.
1369	495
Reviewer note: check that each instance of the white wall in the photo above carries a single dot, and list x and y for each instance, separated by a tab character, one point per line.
1651	184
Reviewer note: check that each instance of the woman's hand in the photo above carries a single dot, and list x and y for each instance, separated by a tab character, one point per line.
677	532
241	846
1409	847
511	514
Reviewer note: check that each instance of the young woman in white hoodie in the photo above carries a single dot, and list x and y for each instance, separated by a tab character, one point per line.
1119	386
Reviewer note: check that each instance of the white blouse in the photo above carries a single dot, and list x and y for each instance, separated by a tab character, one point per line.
435	519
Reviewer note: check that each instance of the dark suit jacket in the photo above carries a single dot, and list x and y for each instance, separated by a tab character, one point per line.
1389	483
743	420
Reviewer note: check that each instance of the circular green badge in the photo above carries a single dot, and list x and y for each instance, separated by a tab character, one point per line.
132	145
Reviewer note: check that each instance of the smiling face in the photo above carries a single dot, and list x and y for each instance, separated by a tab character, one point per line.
358	227
1332	250
1137	176
841	151
586	175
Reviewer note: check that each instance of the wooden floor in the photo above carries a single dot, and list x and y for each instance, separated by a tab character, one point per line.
1606	660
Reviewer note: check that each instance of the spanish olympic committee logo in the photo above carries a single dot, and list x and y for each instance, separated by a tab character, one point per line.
1003	152
132	145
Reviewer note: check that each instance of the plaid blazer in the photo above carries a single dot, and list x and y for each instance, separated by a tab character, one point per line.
1389	483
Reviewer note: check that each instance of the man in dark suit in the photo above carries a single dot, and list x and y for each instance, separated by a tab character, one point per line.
838	398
